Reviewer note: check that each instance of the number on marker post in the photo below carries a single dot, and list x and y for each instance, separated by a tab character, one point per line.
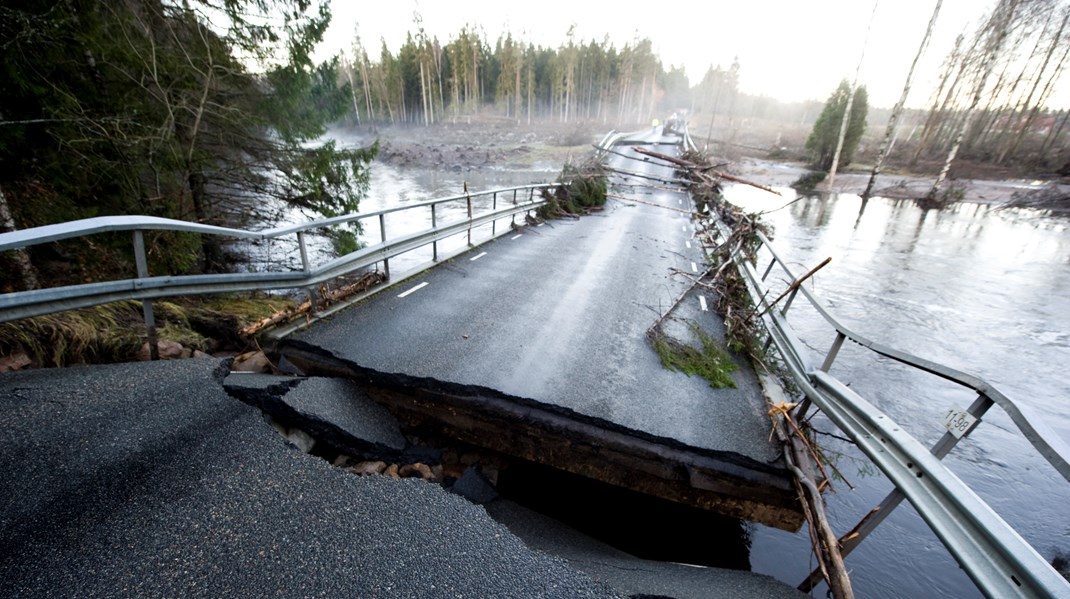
958	422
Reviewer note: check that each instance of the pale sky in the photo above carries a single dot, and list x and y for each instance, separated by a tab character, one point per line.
789	49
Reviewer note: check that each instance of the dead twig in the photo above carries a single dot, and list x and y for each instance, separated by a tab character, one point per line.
795	285
699	170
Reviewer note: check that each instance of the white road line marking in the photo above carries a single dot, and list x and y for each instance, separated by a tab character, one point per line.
474	258
516	237
688	242
683	228
702	303
540	224
414	289
694	267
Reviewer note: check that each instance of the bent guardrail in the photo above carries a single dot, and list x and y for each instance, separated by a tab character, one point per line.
24	304
993	554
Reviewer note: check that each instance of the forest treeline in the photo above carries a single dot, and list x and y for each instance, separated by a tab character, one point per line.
427	81
1012	60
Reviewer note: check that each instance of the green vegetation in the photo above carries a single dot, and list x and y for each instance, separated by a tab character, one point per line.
114	332
710	362
807	183
581	190
821	145
189	110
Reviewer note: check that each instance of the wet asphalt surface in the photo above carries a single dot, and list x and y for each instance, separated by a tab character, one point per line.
558	313
146	479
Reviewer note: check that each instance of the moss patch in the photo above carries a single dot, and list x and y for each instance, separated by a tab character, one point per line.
711	361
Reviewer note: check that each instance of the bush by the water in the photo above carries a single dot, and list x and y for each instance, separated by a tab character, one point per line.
808	182
580	190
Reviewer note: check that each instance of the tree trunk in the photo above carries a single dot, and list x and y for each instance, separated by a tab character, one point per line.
995	46
1013	147
850	102
893	120
27	273
348	67
210	244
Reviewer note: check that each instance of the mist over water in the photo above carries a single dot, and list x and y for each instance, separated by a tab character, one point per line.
979	289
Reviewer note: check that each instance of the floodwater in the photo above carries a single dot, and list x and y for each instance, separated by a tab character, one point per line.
392	187
980	289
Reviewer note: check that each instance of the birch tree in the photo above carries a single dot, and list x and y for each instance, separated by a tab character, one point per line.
893	120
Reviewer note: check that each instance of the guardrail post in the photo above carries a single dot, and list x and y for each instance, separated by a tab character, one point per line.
830	357
142	262
305	267
382	235
769	269
434	225
787	303
512	222
871	520
494	206
468	200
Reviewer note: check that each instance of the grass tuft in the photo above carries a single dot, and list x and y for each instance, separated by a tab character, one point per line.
710	362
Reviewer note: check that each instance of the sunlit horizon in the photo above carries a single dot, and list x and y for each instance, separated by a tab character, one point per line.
790	51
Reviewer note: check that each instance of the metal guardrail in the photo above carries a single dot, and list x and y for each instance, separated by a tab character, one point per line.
996	558
25	304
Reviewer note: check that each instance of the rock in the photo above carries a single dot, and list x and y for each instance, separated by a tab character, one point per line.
169	350
15	361
368	468
186	353
437	473
251	362
341	461
198	354
475	487
391	471
300	439
412	470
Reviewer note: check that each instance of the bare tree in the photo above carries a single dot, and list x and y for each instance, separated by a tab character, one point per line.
21	257
995	34
893	120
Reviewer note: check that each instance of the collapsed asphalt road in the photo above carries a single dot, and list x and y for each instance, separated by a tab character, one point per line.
147	479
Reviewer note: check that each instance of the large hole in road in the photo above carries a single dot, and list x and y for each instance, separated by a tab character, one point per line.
644	526
651	497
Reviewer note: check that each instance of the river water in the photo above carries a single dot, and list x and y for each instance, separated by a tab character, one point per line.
980	289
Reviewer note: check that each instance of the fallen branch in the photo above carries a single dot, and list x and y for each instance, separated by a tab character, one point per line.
701	170
364	282
627	199
795	285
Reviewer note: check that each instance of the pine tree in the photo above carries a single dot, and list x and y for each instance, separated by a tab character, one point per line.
821	144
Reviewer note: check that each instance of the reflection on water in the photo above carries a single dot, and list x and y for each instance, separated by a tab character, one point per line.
977	288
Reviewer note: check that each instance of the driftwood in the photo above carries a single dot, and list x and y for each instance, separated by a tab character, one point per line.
702	172
795	285
627	199
366	281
